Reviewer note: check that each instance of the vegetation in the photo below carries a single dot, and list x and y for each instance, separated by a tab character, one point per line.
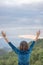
35	59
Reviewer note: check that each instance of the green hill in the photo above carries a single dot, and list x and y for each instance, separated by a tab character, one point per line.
35	59
37	53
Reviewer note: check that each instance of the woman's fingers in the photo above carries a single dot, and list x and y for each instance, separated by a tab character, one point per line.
38	33
3	34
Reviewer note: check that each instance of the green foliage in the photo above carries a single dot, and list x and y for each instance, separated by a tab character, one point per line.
9	59
37	54
35	59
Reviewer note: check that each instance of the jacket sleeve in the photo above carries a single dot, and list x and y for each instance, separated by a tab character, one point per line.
31	46
14	48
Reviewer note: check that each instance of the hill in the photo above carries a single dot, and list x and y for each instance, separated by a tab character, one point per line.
36	56
37	53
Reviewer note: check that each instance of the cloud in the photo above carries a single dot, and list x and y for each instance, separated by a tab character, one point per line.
21	30
20	20
18	2
21	17
29	36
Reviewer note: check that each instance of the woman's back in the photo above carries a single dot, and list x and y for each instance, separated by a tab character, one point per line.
23	57
24	52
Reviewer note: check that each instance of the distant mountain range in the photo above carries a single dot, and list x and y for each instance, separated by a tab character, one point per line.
5	50
39	44
15	41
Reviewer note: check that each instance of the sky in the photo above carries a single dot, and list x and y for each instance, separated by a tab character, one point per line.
18	2
21	17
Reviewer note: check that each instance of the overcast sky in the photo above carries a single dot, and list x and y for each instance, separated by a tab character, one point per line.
19	17
18	2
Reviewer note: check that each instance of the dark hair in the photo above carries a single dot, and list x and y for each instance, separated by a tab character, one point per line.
23	45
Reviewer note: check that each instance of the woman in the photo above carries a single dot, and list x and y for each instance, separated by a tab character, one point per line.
24	51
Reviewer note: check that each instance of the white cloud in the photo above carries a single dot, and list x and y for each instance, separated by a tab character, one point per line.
21	31
18	2
29	36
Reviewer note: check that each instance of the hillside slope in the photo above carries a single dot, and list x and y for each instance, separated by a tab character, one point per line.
35	59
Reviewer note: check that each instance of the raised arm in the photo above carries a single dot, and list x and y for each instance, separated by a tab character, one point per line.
4	36
33	42
37	35
10	44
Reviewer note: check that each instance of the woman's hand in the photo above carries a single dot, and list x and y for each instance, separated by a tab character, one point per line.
37	35
4	36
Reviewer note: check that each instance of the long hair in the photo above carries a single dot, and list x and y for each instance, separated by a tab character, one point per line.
23	45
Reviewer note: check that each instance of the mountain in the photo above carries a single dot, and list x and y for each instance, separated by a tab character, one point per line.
38	45
2	52
35	59
5	50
